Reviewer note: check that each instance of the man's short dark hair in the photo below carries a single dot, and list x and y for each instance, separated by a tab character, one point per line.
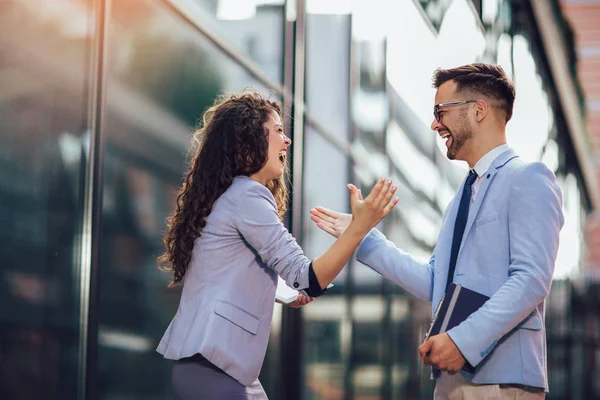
478	78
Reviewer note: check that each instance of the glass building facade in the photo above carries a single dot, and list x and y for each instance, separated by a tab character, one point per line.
98	101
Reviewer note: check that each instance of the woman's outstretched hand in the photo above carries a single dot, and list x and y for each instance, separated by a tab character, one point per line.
377	205
350	229
366	213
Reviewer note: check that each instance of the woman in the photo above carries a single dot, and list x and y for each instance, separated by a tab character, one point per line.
226	243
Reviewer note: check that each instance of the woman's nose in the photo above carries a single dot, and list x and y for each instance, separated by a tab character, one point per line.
287	140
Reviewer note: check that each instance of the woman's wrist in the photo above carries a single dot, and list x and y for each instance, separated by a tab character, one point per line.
355	230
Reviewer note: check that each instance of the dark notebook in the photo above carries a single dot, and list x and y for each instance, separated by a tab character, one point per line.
456	305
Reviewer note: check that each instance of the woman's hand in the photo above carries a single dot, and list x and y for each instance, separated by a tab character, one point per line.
368	212
330	221
365	212
300	301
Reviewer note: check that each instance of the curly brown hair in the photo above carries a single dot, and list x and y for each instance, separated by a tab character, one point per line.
232	141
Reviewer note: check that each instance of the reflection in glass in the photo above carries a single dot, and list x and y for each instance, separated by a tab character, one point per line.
327	69
326	346
370	110
416	167
504	54
532	113
489	10
326	323
461	38
253	27
410	63
568	260
435	10
44	143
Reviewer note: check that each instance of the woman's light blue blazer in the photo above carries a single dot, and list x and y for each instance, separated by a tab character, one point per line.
229	288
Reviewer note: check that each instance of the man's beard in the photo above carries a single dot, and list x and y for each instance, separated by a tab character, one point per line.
458	140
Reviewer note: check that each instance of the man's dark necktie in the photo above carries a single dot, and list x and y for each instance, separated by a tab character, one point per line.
461	222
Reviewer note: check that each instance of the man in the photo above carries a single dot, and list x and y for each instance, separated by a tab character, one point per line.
499	237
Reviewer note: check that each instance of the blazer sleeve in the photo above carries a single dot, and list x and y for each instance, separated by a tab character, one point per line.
257	220
534	221
378	253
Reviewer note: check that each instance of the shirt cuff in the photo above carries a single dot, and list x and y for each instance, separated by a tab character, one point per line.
314	288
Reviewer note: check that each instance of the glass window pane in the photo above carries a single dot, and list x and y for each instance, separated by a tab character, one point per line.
253	27
44	48
532	112
326	171
327	65
327	326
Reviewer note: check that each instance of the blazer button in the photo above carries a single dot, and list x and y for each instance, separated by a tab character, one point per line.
296	285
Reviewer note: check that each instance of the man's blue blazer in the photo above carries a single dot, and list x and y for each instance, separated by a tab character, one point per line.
508	252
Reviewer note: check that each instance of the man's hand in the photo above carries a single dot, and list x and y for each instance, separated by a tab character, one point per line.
440	351
330	221
299	302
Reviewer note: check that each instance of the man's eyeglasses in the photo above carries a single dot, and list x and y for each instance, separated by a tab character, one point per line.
436	108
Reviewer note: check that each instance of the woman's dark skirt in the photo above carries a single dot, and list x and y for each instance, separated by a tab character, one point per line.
196	378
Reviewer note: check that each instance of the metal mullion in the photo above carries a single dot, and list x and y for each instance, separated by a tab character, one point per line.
92	209
387	288
298	117
292	334
354	81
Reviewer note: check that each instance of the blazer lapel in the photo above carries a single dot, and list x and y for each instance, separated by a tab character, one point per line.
487	179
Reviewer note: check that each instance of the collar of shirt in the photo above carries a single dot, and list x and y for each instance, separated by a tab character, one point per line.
486	161
483	165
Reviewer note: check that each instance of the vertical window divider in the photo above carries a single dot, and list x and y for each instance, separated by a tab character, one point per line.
92	209
292	338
